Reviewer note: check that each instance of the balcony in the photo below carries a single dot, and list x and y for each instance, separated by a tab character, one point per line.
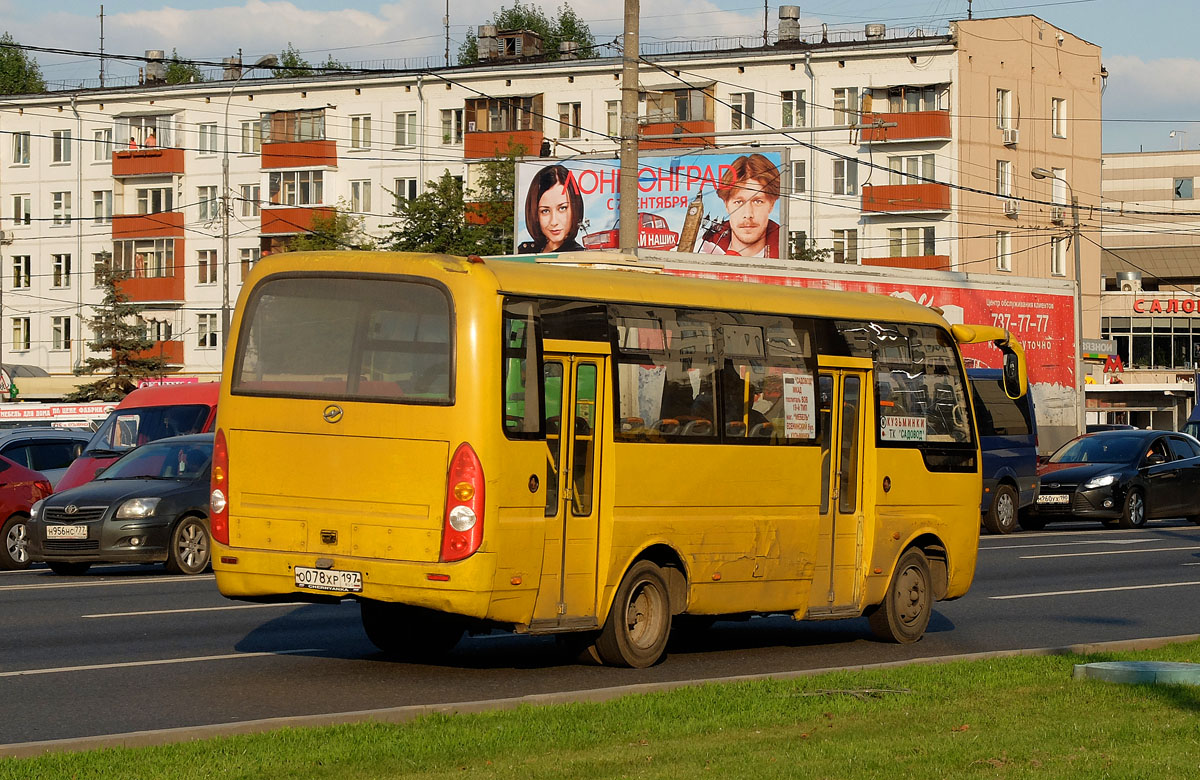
165	224
171	351
905	198
919	262
157	289
290	221
910	126
299	154
155	161
666	128
481	144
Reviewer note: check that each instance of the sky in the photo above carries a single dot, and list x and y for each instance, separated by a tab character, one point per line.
1149	45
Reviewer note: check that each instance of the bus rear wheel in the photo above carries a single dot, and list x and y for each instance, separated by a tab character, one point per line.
639	623
410	633
908	604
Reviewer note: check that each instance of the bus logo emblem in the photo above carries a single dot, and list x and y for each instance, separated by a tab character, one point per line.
332	413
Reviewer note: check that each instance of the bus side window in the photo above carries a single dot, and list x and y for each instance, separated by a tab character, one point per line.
553	373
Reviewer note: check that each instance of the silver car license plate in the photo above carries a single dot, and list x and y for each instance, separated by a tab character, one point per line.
329	579
66	532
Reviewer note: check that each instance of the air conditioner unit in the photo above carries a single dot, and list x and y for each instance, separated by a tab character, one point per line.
1131	285
1010	136
1012	207
1057	214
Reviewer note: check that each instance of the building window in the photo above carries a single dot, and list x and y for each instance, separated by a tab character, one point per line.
102	201
206	262
845	246
102	144
406	189
20	271
797	243
452	125
795	108
22	210
504	114
1003	250
60	329
905	99
206	141
101	262
911	242
911	169
297	188
60	146
1058	257
144	131
20	333
406	128
1058	117
250	199
799	176
1004	178
360	196
613	113
61	274
1183	188
1058	186
155	200
61	207
20	148
285	126
360	132
845	176
741	115
252	136
845	106
569	119
206	200
1004	109
145	258
206	331
158	330
249	256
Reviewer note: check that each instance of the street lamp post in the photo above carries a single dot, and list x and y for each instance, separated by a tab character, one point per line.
265	61
1080	411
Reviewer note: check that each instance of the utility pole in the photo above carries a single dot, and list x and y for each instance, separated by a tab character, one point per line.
629	130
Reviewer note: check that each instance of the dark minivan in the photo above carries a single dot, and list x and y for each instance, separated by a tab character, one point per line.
1008	443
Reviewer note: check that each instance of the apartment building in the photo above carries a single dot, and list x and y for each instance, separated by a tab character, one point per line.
939	181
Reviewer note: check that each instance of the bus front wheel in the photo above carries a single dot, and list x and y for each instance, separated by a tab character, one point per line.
410	633
908	603
639	623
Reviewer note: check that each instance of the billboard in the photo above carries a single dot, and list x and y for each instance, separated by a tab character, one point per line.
706	202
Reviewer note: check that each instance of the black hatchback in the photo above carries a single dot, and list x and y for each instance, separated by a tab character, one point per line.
1119	477
151	506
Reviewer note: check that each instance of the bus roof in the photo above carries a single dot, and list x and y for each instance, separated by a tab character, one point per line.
173	395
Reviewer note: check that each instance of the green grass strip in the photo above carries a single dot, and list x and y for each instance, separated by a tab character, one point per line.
1008	718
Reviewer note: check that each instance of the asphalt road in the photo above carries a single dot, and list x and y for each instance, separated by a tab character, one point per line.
128	648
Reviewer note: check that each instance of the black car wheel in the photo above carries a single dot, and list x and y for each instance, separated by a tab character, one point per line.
191	548
1134	515
1001	517
14	553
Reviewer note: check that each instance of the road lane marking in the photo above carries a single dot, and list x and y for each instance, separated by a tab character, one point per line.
1070	544
102	583
1092	590
1108	552
196	609
157	662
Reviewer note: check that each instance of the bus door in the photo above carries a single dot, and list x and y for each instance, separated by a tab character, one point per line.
575	397
842	395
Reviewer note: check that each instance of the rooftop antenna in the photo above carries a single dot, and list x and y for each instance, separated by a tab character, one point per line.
446	23
102	45
765	9
969	8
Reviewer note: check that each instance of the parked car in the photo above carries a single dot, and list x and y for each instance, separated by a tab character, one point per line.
48	450
147	414
1119	477
150	506
20	489
1009	446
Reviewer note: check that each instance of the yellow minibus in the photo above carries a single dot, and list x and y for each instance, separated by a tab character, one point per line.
463	444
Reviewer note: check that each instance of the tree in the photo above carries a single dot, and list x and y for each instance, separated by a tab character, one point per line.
492	204
182	72
566	26
332	66
336	229
121	339
291	64
19	73
802	249
435	221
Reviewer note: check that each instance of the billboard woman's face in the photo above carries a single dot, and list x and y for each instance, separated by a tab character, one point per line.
554	216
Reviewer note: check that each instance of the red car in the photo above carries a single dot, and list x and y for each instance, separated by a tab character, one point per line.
653	233
20	488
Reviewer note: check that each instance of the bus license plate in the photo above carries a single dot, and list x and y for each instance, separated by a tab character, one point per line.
1054	498
329	579
66	532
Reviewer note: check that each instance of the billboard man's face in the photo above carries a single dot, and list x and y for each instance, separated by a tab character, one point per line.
554	216
749	214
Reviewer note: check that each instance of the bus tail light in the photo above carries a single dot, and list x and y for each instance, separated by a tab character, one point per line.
462	528
219	497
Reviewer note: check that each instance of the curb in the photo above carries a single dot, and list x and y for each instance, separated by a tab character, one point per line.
411	712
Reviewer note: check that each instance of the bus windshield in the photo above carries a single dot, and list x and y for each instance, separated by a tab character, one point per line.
128	428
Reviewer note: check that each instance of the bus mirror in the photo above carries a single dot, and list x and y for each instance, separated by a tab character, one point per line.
1016	383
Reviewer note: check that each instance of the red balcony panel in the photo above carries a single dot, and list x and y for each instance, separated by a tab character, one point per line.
664	128
886	198
165	224
171	350
156	161
910	126
478	144
153	289
299	154
921	262
290	221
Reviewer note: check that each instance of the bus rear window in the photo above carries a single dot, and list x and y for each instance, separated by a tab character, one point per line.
346	338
